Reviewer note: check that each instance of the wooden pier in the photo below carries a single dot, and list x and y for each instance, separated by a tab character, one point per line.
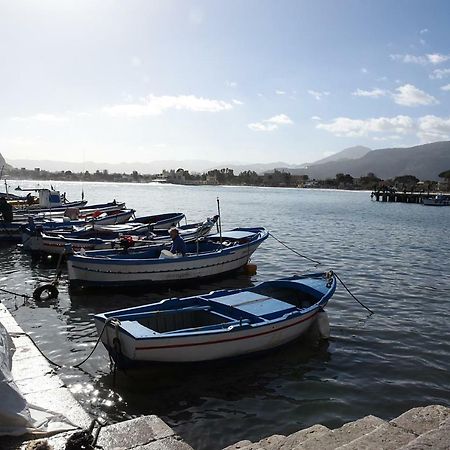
399	197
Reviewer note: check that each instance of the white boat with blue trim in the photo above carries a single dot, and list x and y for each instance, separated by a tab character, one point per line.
218	325
215	255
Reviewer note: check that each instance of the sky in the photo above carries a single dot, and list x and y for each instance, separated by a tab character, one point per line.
231	80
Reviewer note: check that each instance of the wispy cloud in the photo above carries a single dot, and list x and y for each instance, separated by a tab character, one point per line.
374	93
347	127
364	70
446	87
42	117
271	124
156	105
424	31
428	128
231	84
279	92
430	58
317	118
433	128
438	74
237	102
136	61
318	95
409	95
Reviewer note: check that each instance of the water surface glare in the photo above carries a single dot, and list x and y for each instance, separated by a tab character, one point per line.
394	257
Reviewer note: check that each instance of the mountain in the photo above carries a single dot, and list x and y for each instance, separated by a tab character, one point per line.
424	161
3	163
348	153
194	165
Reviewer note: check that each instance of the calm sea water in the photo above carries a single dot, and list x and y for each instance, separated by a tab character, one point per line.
394	257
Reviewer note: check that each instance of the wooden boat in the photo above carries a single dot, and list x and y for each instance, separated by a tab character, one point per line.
56	243
221	324
160	221
437	200
208	257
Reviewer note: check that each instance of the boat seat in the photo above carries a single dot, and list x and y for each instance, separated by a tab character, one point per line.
257	304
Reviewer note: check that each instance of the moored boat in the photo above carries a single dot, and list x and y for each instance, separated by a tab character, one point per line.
211	256
221	324
56	242
437	200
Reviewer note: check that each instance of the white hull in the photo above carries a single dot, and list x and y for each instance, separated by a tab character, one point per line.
90	271
222	345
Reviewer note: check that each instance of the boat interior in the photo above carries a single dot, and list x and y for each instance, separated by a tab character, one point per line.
263	303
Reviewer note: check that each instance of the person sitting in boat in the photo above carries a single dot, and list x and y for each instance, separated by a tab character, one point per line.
178	244
6	210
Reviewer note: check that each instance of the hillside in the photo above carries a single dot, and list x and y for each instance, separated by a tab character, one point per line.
424	161
348	153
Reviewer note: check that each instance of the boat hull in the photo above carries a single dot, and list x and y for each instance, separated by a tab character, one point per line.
100	273
214	347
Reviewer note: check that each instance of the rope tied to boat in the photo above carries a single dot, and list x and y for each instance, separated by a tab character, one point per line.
351	293
317	263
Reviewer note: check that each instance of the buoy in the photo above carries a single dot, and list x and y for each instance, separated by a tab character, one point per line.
323	324
250	269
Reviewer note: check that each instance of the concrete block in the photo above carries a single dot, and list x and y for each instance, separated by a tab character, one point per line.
384	437
437	439
272	442
422	419
135	432
33	367
24	348
239	445
61	401
295	439
39	384
168	443
330	440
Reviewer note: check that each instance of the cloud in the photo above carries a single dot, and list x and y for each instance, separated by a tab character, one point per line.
430	58
409	95
424	30
428	128
446	87
364	70
318	94
42	117
438	74
346	127
433	128
316	118
156	105
136	61
231	84
374	93
278	92
271	124
237	102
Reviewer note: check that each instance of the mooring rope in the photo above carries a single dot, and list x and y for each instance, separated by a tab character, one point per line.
317	263
59	366
351	293
16	294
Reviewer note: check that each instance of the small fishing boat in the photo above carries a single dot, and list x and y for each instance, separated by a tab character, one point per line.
160	221
211	256
437	200
221	324
57	242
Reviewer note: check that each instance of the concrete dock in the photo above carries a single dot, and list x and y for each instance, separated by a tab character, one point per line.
41	386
